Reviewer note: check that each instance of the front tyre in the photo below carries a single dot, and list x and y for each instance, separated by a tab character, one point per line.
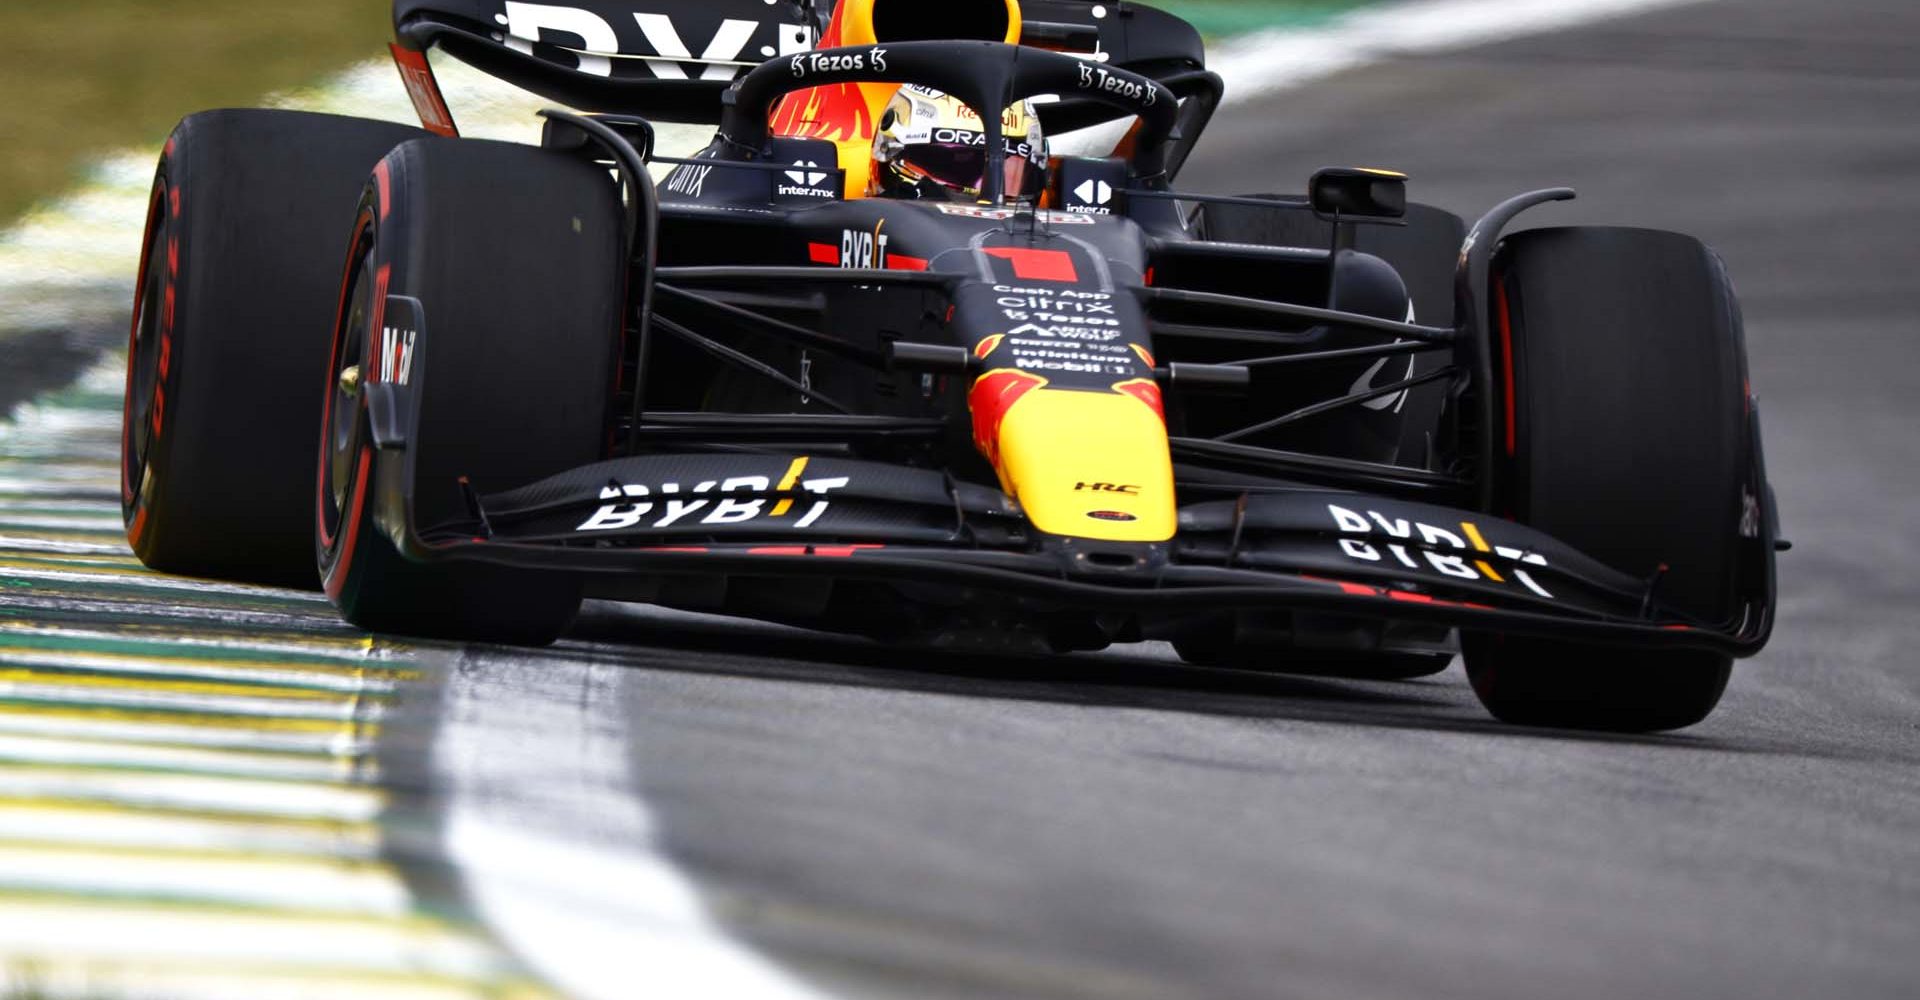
1629	434
1539	682
516	257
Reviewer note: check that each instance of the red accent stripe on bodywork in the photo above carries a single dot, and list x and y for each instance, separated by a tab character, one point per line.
1147	391
992	395
416	74
834	551
1346	587
823	253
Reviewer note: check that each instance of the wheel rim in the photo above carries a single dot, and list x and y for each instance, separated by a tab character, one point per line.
143	362
341	434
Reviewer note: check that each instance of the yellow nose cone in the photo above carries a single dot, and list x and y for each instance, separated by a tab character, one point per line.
1089	465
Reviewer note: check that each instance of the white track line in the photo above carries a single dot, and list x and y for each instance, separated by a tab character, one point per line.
560	859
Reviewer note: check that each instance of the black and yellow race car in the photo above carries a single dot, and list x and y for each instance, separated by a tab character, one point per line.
875	362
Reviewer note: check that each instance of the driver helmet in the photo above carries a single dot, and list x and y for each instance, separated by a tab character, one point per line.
932	145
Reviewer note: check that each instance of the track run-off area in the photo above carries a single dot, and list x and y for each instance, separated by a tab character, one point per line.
190	803
219	791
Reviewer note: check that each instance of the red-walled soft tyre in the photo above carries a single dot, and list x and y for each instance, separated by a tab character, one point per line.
1628	434
516	257
238	278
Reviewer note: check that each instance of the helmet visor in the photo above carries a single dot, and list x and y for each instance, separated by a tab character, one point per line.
958	168
963	168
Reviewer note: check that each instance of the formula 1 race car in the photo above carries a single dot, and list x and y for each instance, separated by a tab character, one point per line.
877	361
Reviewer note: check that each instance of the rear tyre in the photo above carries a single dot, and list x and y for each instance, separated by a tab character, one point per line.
516	257
238	275
1628	436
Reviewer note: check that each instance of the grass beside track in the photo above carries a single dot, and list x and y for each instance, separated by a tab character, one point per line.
82	77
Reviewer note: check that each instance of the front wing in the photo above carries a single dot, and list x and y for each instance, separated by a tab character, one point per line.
1281	549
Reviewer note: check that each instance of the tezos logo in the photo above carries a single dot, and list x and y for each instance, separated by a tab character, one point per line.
1095	78
808	63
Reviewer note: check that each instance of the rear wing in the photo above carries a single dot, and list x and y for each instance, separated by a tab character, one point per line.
664	59
671	60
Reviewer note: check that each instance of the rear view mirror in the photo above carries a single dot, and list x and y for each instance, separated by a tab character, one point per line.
1358	194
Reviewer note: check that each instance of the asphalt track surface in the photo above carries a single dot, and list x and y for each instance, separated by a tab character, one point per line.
1120	826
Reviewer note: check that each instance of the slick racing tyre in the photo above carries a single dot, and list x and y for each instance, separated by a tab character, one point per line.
1620	371
515	257
238	275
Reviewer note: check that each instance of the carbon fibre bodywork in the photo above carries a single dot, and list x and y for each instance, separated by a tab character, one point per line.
846	391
